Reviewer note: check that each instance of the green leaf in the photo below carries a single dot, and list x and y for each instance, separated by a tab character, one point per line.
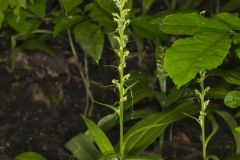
146	4
231	5
186	57
143	139
231	122
235	157
38	44
17	5
238	52
38	8
83	148
100	16
190	4
29	156
23	26
232	99
66	22
91	39
236	38
99	137
69	5
148	30
231	20
218	92
231	75
191	23
237	129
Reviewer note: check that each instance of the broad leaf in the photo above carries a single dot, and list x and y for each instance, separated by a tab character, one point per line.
17	6
29	156
91	39
83	148
231	122
186	57
191	23
138	141
66	22
69	5
99	137
231	20
232	99
38	8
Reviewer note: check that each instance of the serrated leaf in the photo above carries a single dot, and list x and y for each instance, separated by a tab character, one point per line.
38	8
99	137
83	148
143	139
29	156
69	5
191	23
91	39
186	57
232	99
231	20
66	22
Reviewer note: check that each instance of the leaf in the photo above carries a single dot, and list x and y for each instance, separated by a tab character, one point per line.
100	16
186	57
231	75
17	5
148	30
99	137
83	148
231	20
231	5
190	4
238	52
235	157
237	129
191	23
232	99
23	26
66	22
69	5
91	39
38	8
29	156
38	44
231	122
146	5
143	139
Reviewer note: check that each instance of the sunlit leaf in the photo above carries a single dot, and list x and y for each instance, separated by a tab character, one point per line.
231	20
191	23
186	57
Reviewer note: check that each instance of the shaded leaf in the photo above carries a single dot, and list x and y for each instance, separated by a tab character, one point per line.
29	156
83	148
143	139
190	4
231	75
90	38
146	4
69	5
38	8
99	137
65	22
231	122
186	57
232	99
231	5
190	23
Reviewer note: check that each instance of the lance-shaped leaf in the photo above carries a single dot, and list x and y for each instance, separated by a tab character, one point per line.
145	132
99	137
69	5
186	57
191	23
